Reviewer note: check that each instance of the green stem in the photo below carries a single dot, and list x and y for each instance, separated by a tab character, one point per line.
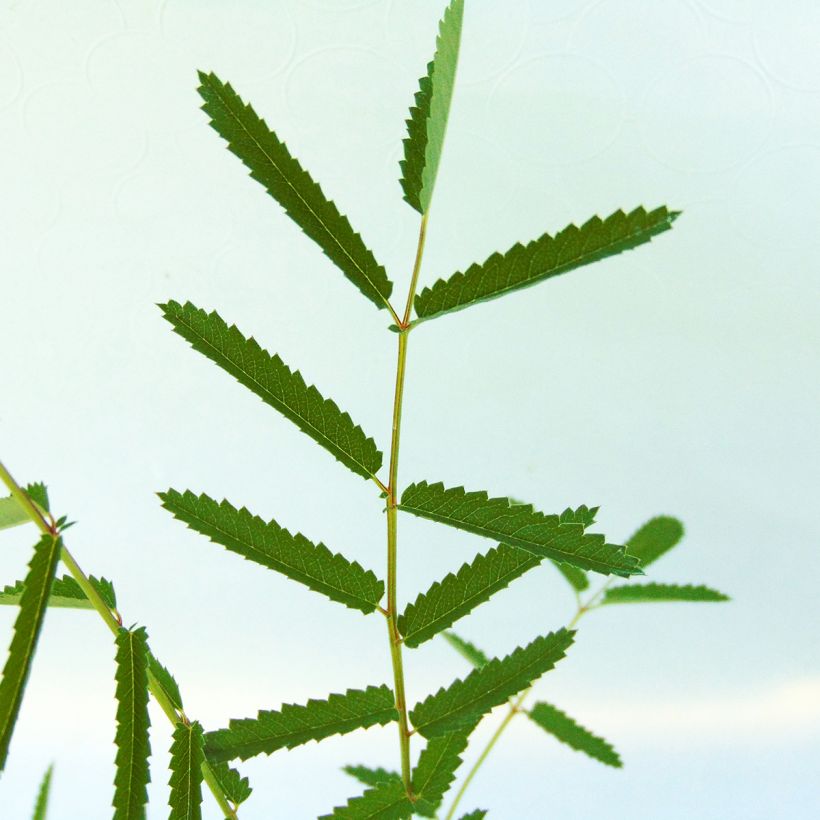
112	621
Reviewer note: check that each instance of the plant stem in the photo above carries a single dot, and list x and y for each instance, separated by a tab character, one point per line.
112	621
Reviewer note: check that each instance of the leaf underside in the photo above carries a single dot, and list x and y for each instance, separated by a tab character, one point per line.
436	769
565	729
65	592
387	801
27	626
466	649
560	537
525	265
187	757
235	787
455	595
294	725
657	593
11	513
654	539
277	385
428	118
271	164
272	546
464	701
133	747
41	806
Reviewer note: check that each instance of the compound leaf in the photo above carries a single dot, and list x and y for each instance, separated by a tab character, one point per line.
655	538
464	701
543	258
650	593
428	118
274	547
565	729
436	769
294	725
27	626
271	164
387	801
65	592
133	747
455	595
235	787
41	806
466	649
187	757
547	536
277	385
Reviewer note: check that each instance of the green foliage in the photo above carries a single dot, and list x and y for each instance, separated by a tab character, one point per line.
294	725
436	769
274	547
548	256
370	776
133	747
277	385
187	757
428	118
27	626
455	595
387	801
38	493
272	165
41	806
654	539
11	513
468	650
565	729
577	577
651	593
65	592
166	680
477	814
464	701
548	536
235	787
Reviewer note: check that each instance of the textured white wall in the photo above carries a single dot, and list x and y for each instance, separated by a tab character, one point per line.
680	378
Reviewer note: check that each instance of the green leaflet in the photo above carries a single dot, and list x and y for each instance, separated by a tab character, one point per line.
565	729
27	628
436	769
654	539
464	701
650	593
370	776
187	757
65	592
235	787
468	650
41	806
272	165
548	536
455	595
476	814
428	118
11	513
166	680
38	493
548	256
133	747
576	577
294	725
387	801
274	547
277	385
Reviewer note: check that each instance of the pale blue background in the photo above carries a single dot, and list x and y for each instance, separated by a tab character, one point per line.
680	378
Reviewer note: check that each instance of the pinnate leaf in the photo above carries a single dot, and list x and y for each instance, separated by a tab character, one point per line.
27	626
294	725
133	747
543	258
436	769
547	536
387	801
271	164
455	595
65	592
466	649
654	539
274	547
428	118
652	593
187	757
277	385
235	787
463	702
565	729
41	806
